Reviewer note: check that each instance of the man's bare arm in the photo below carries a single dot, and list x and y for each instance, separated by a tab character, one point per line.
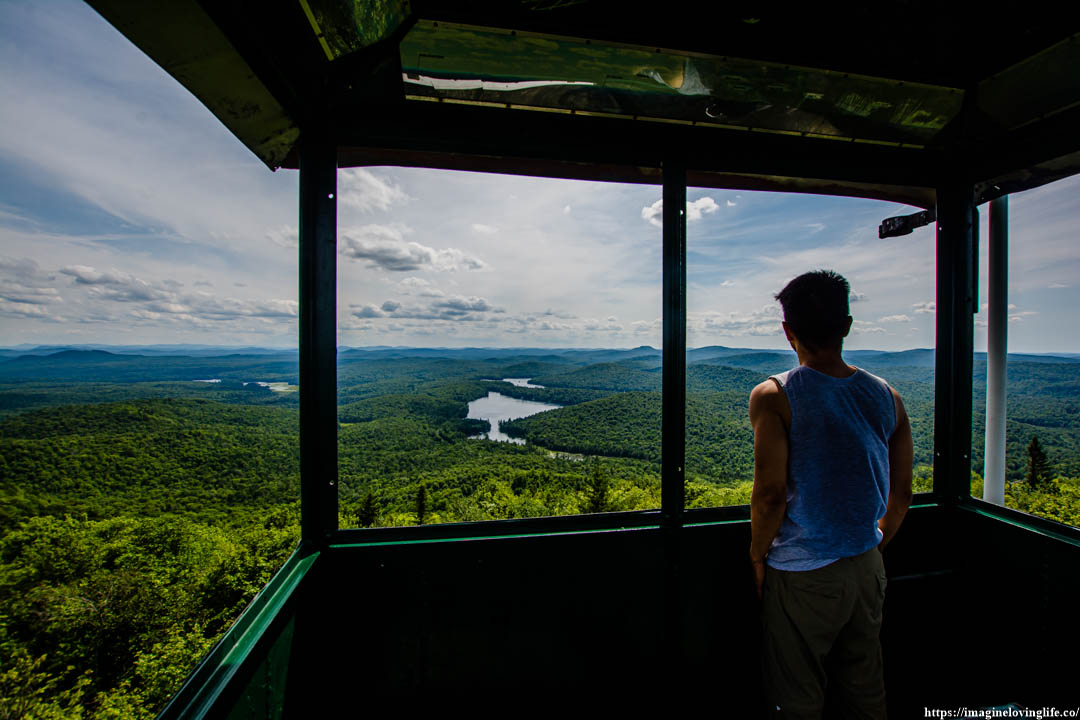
769	415
901	458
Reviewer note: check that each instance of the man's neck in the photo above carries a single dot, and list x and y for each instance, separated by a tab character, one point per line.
828	362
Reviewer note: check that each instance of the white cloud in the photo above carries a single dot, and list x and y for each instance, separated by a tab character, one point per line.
418	286
25	270
653	214
1056	286
287	236
895	318
928	306
354	324
485	229
1019	316
207	306
22	281
609	325
647	327
457	303
21	309
699	207
855	296
163	301
116	285
548	326
761	322
18	293
452	308
730	203
384	247
367	311
859	327
363	190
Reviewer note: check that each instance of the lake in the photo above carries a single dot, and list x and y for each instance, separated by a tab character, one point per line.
521	382
275	386
497	407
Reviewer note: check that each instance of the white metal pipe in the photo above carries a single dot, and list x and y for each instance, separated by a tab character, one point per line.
997	319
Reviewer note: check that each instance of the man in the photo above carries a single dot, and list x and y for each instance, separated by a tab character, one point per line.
832	483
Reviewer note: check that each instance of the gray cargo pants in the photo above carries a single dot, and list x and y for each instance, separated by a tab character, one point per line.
822	627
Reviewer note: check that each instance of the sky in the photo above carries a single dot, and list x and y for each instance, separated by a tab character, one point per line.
130	215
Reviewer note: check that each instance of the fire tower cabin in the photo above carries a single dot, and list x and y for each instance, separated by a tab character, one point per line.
914	102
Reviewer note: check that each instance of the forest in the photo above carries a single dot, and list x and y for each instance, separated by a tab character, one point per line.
146	498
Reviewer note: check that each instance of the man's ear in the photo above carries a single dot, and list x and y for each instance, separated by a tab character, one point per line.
790	335
847	326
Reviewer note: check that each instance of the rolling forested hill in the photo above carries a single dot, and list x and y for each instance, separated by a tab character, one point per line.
126	484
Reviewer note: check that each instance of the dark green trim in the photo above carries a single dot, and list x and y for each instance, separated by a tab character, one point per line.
344	542
955	340
706	516
1017	518
318	338
673	399
566	524
551	526
219	668
924	499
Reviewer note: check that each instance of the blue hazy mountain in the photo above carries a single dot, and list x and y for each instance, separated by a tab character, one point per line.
128	363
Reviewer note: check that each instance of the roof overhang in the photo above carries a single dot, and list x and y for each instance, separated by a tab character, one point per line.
790	99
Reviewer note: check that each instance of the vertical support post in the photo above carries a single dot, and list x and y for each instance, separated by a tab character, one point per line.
673	409
955	340
673	450
318	338
997	343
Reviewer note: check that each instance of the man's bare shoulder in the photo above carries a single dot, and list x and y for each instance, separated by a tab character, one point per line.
769	397
766	387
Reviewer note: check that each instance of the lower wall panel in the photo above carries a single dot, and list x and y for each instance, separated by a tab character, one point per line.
972	607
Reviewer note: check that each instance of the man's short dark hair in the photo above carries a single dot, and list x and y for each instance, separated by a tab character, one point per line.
816	308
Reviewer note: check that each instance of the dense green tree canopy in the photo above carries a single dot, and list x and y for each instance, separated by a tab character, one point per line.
140	510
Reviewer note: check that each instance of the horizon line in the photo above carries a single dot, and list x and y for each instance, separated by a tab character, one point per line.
27	347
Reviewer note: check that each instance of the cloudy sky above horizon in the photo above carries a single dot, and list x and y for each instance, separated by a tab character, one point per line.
130	215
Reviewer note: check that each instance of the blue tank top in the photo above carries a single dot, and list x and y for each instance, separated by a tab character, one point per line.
838	467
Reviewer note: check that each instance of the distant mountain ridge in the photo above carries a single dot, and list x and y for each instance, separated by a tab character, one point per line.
634	367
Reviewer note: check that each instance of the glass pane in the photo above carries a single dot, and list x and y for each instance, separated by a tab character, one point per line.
743	248
148	432
1042	391
498	347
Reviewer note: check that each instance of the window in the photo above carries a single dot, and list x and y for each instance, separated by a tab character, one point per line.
148	436
742	248
1042	393
499	347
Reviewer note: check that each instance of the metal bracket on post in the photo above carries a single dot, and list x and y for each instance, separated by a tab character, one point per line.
905	224
318	338
955	341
